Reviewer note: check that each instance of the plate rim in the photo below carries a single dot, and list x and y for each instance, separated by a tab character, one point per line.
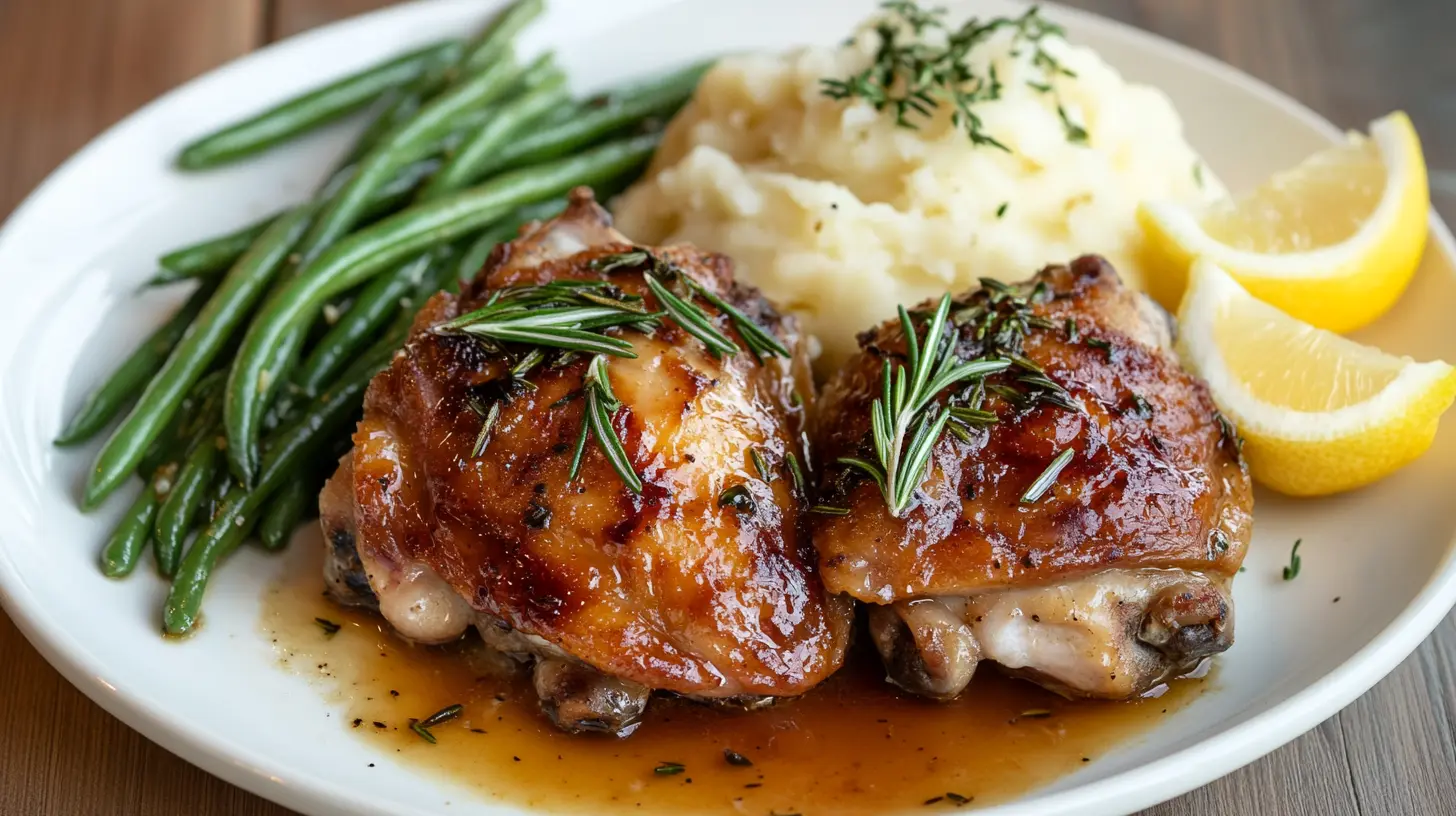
1125	791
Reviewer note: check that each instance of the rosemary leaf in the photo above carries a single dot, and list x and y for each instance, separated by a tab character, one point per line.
1047	478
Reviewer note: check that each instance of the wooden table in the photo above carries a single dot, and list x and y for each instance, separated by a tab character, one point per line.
70	68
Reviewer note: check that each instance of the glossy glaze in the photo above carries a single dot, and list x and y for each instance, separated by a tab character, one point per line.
1153	481
669	588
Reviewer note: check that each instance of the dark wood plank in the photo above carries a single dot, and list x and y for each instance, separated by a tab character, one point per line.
1399	737
292	16
73	67
70	69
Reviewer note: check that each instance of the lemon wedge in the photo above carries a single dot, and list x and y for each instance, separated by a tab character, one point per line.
1333	241
1319	413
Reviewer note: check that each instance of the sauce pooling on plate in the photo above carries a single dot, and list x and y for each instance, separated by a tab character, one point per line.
852	745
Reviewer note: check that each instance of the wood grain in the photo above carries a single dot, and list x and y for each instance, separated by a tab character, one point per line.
82	64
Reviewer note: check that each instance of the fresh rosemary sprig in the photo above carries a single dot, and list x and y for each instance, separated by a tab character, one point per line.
914	78
905	421
601	403
570	315
573	316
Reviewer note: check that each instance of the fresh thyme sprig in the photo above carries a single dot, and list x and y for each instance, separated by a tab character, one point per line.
914	78
905	421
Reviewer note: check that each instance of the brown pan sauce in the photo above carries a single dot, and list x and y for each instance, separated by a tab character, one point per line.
853	745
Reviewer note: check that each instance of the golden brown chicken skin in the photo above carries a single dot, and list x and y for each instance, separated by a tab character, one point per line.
610	593
1113	579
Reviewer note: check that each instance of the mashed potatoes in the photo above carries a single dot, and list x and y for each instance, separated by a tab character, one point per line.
838	214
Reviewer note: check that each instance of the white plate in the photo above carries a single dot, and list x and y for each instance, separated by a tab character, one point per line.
72	256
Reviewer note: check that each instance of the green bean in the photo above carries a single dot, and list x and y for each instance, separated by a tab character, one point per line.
365	254
621	110
130	378
463	168
189	490
123	550
342	211
282	514
216	255
192	356
211	257
200	408
313	109
291	448
494	41
374	306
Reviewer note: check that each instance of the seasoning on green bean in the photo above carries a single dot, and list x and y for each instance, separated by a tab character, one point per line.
283	511
510	121
211	257
313	109
290	449
124	549
131	377
190	488
190	359
620	110
372	309
359	257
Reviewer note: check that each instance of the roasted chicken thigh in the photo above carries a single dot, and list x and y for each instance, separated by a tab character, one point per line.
1080	522
457	506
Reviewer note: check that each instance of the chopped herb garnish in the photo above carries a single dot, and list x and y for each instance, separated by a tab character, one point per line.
1219	542
760	465
538	515
486	426
739	498
1047	478
444	715
330	628
424	732
1141	406
669	768
796	472
1198	174
1229	436
827	510
913	76
1292	571
796	400
735	758
957	798
1036	713
1099	343
1001	210
1039	87
1076	134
